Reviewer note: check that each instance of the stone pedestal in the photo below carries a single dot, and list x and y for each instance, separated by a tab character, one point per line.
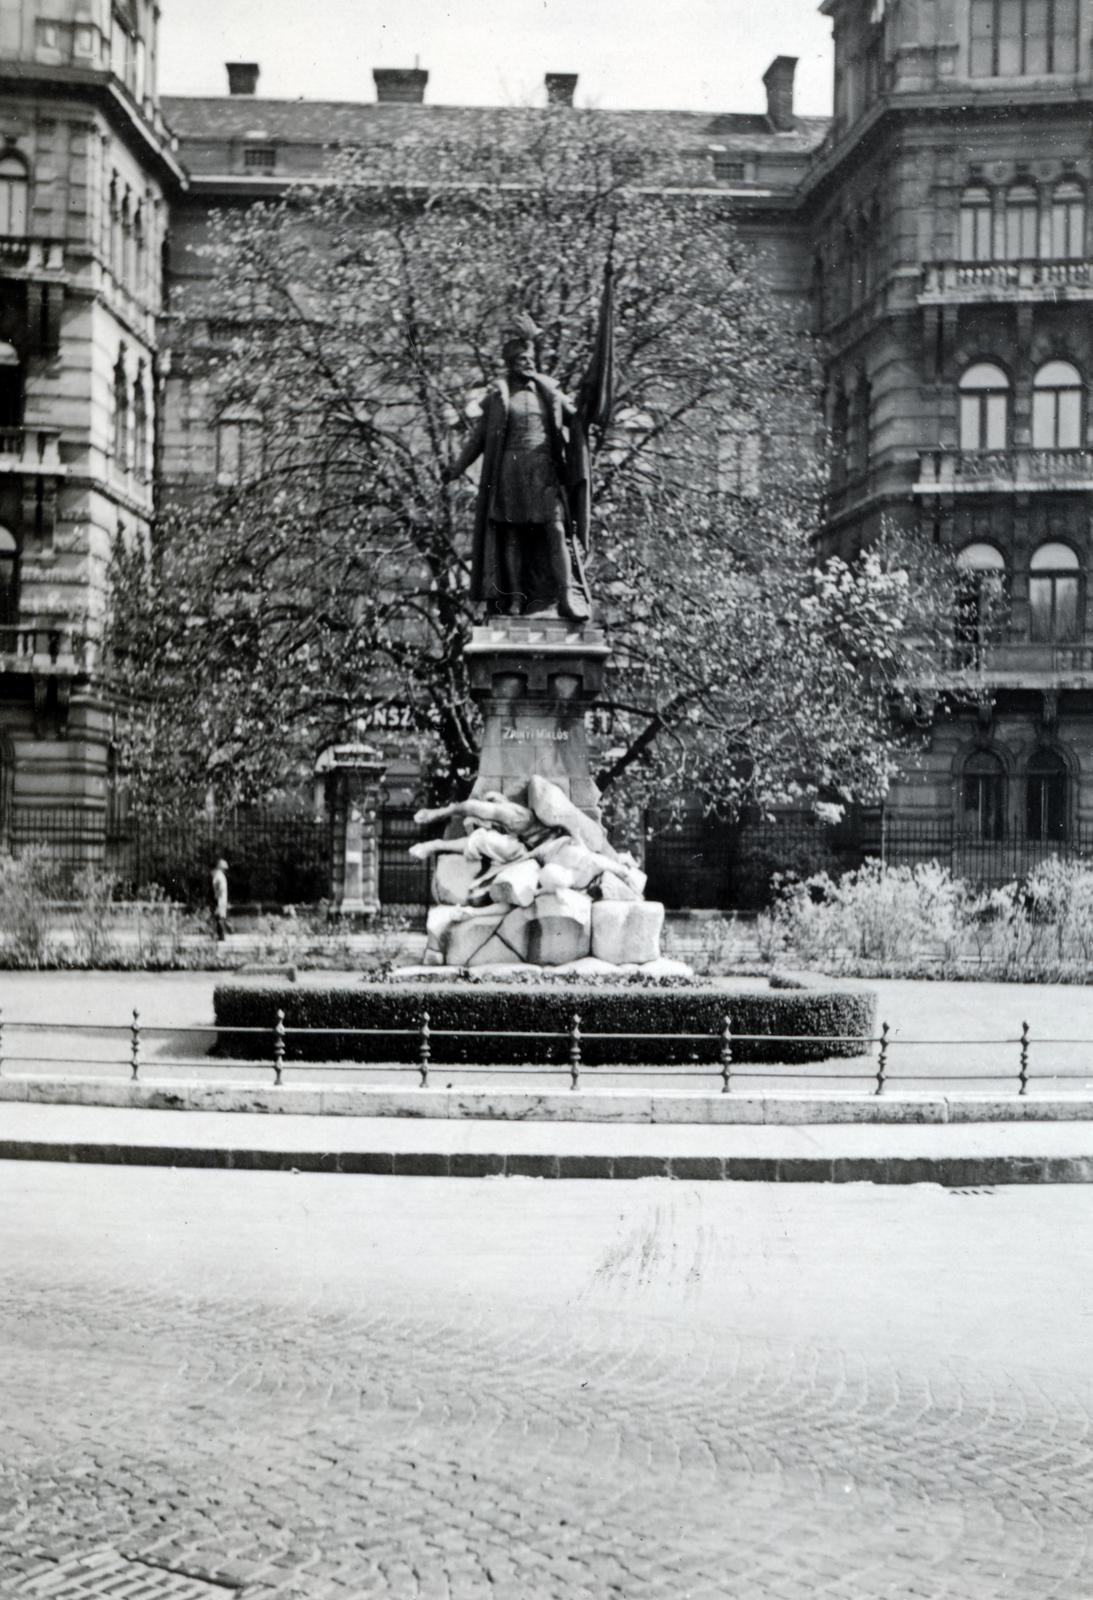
535	677
352	774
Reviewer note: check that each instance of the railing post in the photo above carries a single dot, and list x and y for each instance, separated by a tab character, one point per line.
882	1058
1	1044
134	1047
1022	1076
425	1053
575	1051
278	1048
726	1054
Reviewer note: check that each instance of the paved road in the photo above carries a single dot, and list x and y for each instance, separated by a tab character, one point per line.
320	1387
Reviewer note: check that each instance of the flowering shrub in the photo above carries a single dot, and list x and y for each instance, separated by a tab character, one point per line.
27	883
900	916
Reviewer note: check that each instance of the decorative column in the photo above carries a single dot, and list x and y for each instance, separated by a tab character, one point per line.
352	774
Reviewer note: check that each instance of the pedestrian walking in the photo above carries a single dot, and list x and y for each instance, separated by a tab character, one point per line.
218	898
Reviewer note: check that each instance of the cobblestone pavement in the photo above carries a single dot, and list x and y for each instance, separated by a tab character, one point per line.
300	1388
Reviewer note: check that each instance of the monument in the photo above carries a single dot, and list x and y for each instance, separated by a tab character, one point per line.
525	875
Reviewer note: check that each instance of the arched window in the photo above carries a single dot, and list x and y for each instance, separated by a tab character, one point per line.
140	428
983	796
9	579
840	438
1068	221
125	257
11	387
1046	796
1057	407
137	282
121	417
1022	223
976	229
861	426
1054	594
853	248
984	408
818	301
14	188
982	603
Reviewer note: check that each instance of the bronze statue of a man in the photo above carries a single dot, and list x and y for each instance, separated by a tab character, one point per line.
531	519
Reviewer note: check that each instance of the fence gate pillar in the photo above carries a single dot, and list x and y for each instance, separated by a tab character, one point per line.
352	774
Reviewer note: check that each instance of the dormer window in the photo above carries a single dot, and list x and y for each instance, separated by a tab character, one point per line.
259	157
729	169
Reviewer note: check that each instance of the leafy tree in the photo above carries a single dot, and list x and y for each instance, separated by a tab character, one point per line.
362	318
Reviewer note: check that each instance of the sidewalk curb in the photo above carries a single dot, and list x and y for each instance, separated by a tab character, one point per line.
953	1172
506	1104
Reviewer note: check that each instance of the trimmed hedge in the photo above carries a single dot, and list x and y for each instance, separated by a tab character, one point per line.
462	1018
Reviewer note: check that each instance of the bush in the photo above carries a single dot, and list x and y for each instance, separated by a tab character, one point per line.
28	883
475	1024
93	944
890	919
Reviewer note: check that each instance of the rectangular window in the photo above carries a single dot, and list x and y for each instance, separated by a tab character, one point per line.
982	41
259	158
1064	37
976	243
1021	229
238	450
1023	38
1009	39
1053	610
1037	38
738	463
985	805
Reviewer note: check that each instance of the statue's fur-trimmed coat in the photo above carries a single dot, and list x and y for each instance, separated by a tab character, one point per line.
569	452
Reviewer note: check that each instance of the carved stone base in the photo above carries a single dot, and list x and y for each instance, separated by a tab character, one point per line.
535	678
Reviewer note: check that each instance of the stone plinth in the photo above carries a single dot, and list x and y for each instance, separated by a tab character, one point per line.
352	774
535	677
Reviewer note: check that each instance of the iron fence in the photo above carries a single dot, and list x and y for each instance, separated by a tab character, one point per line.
274	858
700	863
874	1069
907	841
281	858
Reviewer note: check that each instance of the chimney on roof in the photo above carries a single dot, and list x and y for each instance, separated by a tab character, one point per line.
242	77
400	86
778	80
560	87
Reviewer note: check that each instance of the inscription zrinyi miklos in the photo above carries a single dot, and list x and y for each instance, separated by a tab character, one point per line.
534	735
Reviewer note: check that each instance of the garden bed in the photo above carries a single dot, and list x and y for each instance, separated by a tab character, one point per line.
486	1024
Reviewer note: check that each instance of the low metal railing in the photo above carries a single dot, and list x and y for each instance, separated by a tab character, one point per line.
571	1042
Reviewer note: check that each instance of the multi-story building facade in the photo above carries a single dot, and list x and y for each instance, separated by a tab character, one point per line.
86	179
953	281
935	229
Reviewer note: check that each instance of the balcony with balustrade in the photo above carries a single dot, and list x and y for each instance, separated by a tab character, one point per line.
949	283
42	649
1019	471
31	450
1011	660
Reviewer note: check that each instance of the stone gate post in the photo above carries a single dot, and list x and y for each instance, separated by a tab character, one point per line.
352	774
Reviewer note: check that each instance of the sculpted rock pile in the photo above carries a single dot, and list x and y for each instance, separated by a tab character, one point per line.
536	883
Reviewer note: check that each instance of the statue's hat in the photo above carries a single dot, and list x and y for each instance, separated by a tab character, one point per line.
521	326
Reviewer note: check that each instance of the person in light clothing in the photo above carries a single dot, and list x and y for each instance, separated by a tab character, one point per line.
218	896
